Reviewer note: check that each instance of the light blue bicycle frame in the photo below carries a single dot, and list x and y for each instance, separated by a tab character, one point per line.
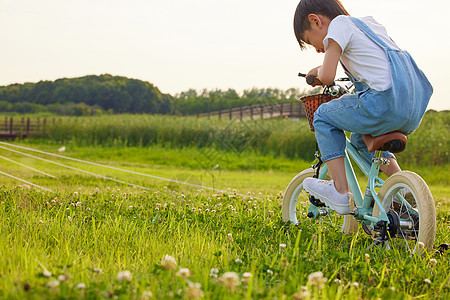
362	202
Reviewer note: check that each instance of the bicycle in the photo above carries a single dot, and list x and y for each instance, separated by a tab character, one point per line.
398	212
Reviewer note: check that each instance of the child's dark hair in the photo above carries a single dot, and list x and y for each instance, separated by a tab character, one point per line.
328	8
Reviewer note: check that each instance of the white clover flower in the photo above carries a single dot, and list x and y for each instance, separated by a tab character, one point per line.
282	246
53	284
146	295
124	276
97	270
246	276
238	261
81	286
213	272
270	272
62	278
169	262
317	279
337	281
47	273
230	280
421	245
433	262
230	237
355	284
184	273
427	281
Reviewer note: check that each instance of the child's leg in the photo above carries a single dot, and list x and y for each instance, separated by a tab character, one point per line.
336	167
358	142
392	168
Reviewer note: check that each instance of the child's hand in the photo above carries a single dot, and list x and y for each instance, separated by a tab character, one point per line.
314	73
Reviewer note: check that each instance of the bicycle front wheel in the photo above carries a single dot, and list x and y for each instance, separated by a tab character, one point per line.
296	204
407	194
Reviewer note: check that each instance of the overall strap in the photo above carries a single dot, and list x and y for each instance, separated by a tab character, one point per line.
370	33
350	75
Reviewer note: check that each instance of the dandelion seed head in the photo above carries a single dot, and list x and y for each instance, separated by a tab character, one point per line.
316	278
230	280
194	291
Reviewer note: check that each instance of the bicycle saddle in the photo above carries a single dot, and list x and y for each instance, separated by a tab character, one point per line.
394	142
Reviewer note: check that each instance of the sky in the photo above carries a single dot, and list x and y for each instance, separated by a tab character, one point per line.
198	44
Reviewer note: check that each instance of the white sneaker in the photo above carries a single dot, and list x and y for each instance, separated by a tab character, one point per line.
326	192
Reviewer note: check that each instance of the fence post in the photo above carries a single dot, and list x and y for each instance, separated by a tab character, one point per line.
6	124
241	113
281	109
231	113
261	107
22	126
11	125
251	112
28	126
220	114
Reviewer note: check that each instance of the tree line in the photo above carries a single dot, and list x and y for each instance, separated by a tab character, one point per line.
101	94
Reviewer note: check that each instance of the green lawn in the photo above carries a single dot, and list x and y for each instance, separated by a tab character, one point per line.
75	241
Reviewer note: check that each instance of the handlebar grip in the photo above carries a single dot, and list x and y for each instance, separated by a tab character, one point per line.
313	80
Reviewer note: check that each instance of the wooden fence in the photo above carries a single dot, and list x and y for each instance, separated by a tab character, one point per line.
261	111
12	128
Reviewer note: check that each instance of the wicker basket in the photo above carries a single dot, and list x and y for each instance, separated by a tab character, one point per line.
312	102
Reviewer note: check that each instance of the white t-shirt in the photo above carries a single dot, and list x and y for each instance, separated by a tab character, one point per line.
363	58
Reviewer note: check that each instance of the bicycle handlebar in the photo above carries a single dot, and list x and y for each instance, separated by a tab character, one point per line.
311	80
333	89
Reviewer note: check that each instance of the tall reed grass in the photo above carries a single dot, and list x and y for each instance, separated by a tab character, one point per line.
278	137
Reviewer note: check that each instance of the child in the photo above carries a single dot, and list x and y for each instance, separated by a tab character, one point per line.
391	93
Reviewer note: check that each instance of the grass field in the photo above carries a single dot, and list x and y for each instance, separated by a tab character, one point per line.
95	238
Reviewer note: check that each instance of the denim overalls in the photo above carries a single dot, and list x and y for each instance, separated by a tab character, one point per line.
400	107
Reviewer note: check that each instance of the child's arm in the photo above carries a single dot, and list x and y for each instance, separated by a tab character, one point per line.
327	71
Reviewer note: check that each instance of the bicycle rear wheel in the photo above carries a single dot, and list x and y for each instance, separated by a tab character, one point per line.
296	205
407	194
